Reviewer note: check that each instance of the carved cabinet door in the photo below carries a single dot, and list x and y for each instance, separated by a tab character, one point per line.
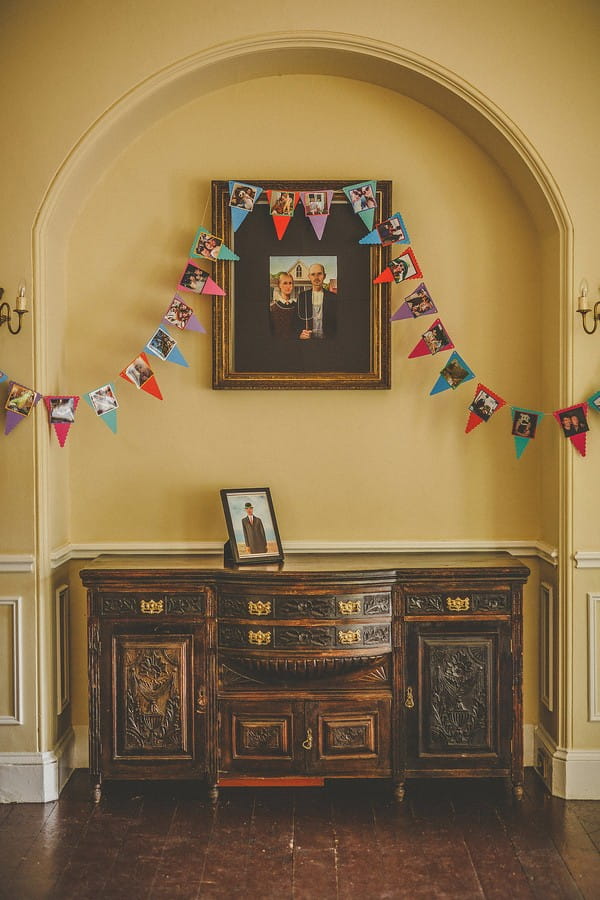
457	700
261	737
348	737
154	714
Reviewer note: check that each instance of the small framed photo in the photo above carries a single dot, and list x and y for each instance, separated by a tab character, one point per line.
251	526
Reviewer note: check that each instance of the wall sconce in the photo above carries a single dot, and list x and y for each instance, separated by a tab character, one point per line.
583	308
7	314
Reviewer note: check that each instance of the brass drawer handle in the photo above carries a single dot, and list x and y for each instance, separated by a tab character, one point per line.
307	744
458	604
259	637
200	701
259	607
152	607
349	637
349	607
410	700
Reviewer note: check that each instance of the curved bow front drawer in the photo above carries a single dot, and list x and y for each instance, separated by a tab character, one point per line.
455	602
330	606
340	636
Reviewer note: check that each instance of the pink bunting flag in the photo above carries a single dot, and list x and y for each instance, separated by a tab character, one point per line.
61	414
140	374
317	205
20	401
281	206
198	281
433	341
484	405
574	424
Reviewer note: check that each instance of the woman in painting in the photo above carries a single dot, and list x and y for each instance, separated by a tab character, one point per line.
283	309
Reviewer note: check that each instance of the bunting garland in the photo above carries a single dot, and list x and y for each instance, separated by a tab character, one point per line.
21	400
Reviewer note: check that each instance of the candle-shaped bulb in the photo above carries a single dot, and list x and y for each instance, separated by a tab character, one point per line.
583	304
21	298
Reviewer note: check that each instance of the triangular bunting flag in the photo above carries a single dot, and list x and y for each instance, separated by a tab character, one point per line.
3	377
363	197
139	373
574	424
454	373
181	316
242	199
19	403
391	231
198	281
281	206
316	208
433	341
104	402
61	413
593	401
400	269
207	245
164	345
524	426
484	405
419	303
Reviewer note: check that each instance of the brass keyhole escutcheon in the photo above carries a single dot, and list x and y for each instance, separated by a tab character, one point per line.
307	744
410	700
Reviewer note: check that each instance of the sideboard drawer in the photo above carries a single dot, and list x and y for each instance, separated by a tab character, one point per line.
330	606
149	604
457	602
347	636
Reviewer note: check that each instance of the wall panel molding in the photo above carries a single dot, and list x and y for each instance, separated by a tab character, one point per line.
547	645
15	662
594	657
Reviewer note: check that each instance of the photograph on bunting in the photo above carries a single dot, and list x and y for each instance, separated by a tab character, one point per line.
363	199
198	281
401	268
208	246
178	313
454	373
484	405
61	409
21	400
390	231
161	343
281	203
316	203
303	297
593	401
573	420
138	371
432	341
420	302
524	423
103	400
244	196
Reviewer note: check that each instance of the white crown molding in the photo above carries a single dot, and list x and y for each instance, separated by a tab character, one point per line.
62	555
19	563
587	559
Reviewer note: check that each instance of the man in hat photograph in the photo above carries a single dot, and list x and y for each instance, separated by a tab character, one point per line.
254	532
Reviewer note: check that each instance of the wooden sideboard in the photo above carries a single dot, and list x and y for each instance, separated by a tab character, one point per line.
345	665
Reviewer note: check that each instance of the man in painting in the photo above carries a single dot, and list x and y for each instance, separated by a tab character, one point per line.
254	532
317	308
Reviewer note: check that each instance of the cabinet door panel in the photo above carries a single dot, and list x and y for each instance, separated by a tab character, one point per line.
260	737
460	681
349	737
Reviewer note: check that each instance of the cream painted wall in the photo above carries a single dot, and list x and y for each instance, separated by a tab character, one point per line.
537	62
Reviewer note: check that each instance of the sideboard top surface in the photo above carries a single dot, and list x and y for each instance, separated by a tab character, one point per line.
391	566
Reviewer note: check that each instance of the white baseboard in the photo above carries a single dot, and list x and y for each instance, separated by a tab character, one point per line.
36	777
570	774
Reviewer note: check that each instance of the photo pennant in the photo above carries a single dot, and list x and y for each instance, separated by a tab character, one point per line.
19	403
419	303
242	198
574	424
454	373
401	268
182	316
164	345
363	199
434	340
484	405
103	400
281	206
390	231
61	414
198	281
524	426
317	205
207	245
139	373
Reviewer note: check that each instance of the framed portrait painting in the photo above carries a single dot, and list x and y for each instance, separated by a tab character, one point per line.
266	333
251	526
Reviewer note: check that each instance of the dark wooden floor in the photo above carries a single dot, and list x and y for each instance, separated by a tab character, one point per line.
455	839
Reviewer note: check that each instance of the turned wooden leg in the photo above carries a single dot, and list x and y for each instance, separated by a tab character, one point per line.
97	791
399	791
517	791
213	793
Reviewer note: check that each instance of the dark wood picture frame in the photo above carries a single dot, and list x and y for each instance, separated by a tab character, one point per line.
238	549
246	355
